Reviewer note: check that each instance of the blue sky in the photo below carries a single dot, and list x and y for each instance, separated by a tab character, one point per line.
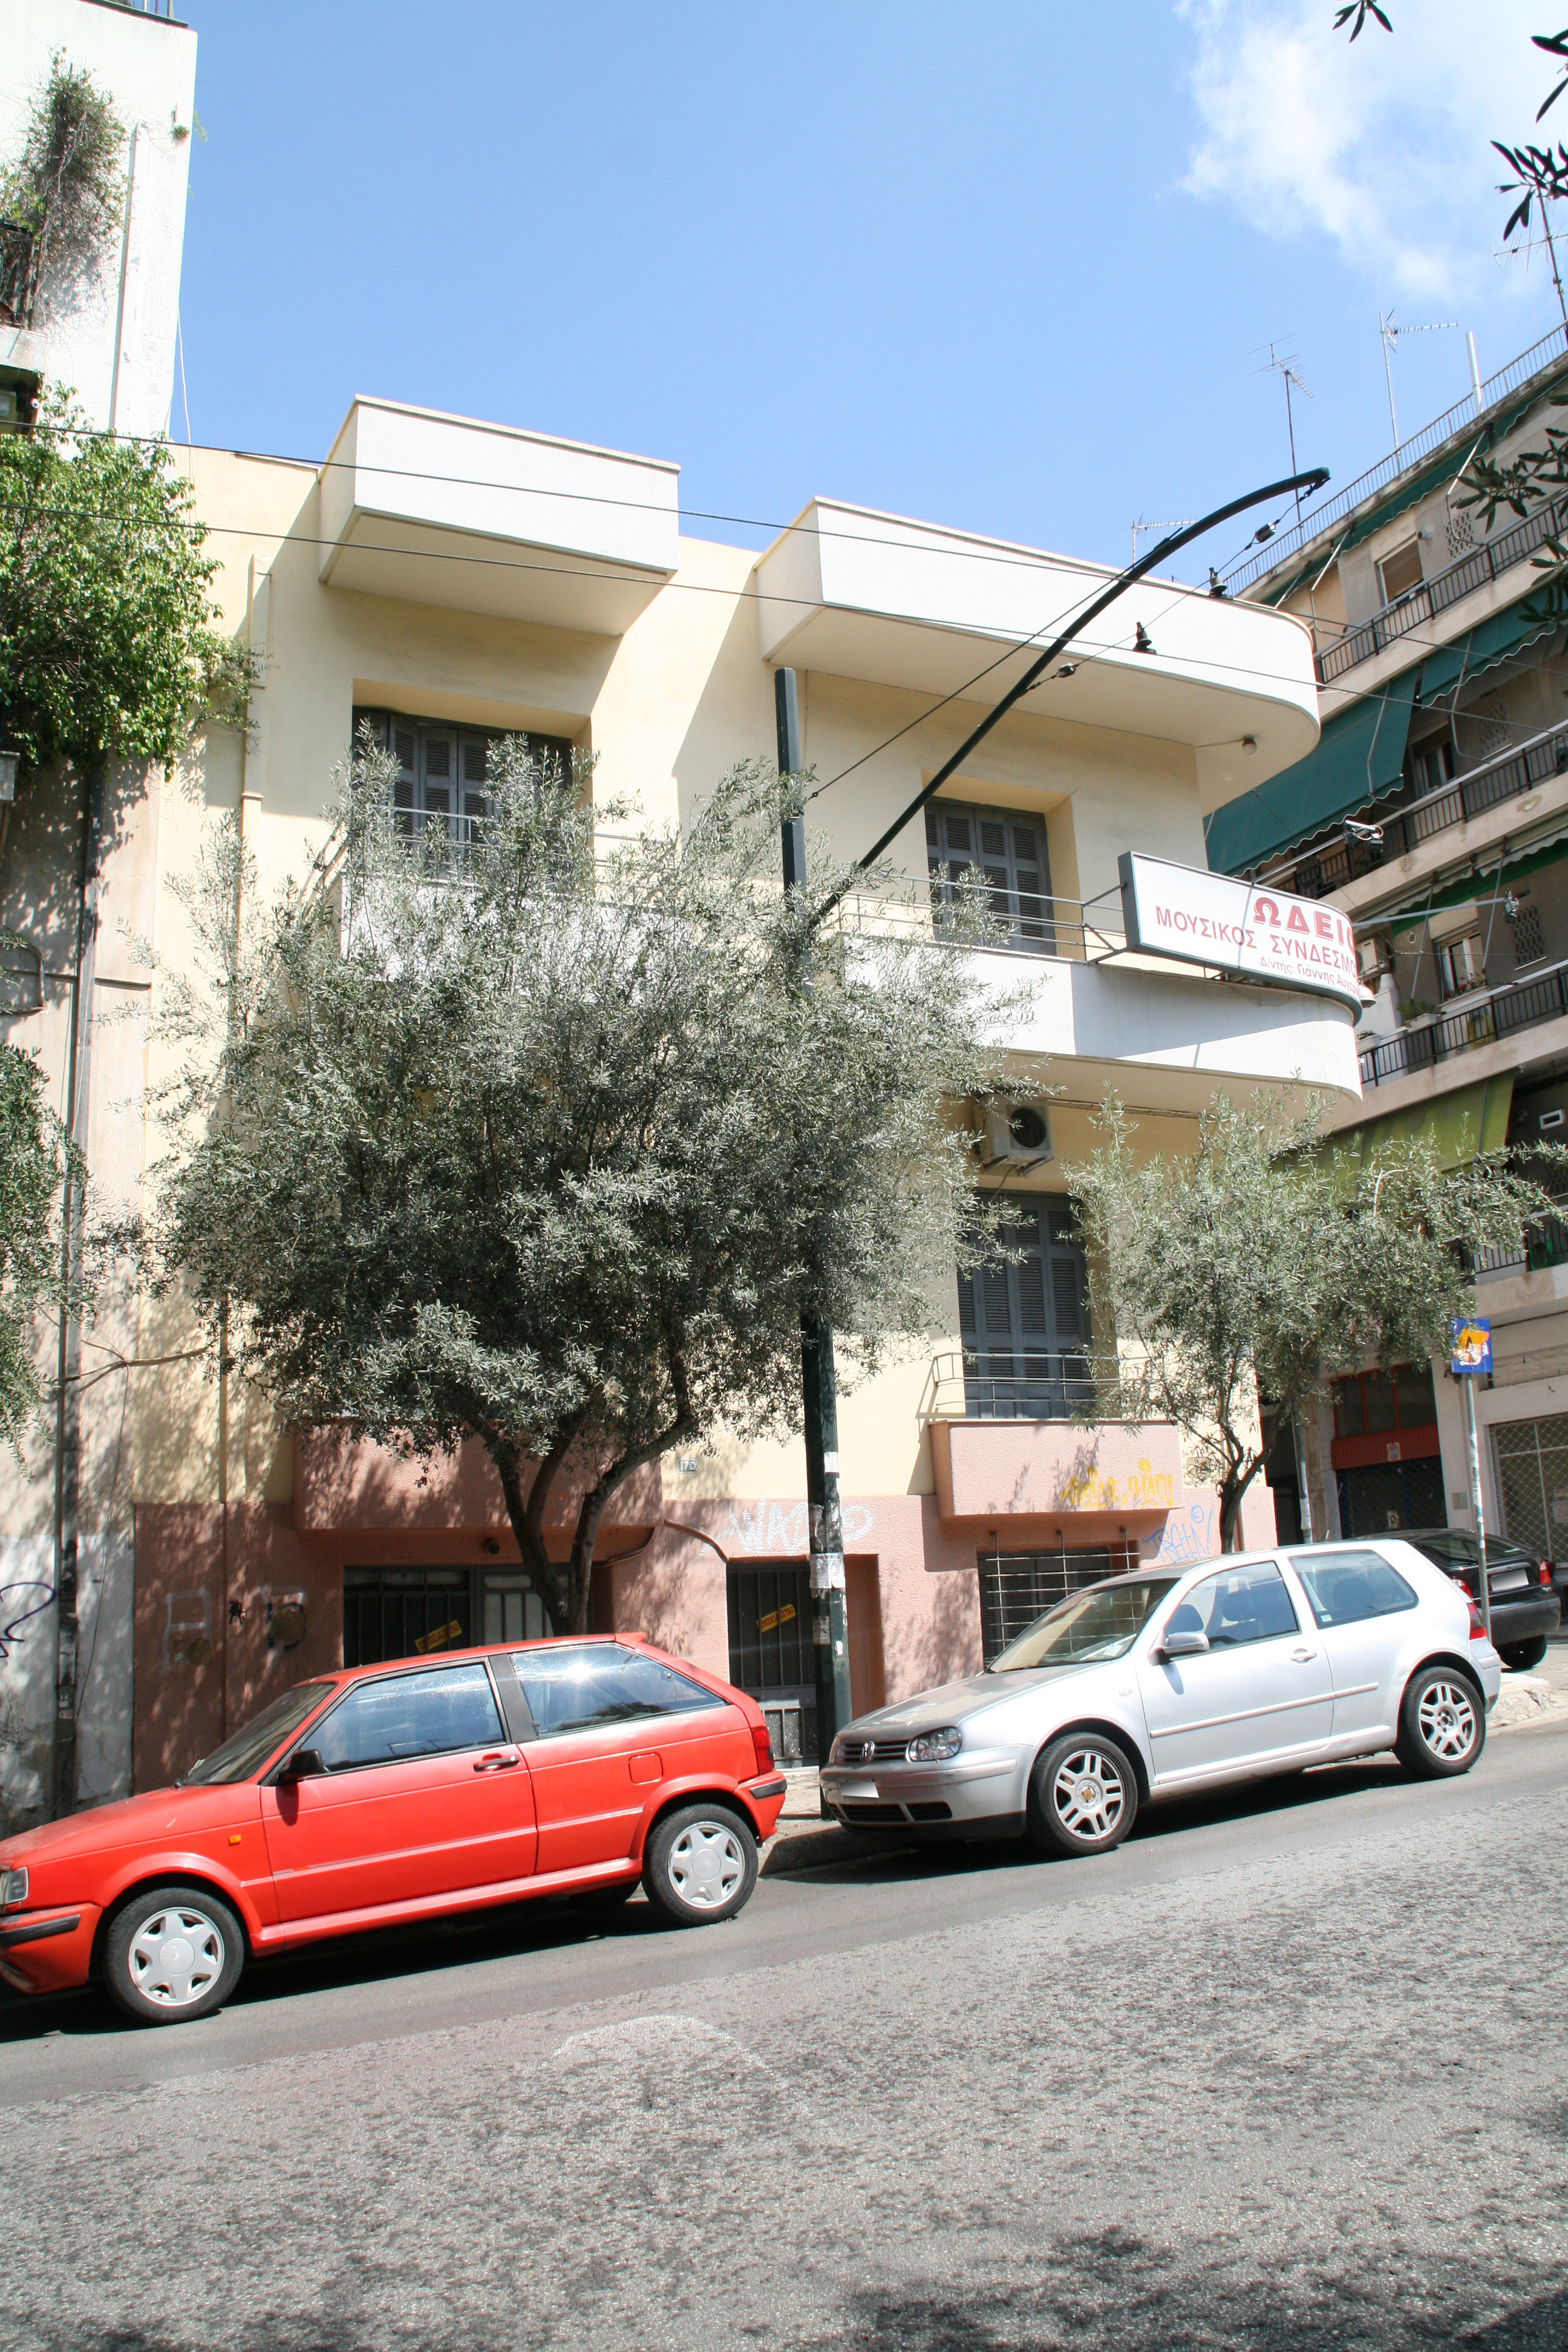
1009	267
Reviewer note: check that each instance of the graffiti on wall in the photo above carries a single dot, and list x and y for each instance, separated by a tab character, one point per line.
1143	1489
1181	1541
18	1604
187	1629
773	1528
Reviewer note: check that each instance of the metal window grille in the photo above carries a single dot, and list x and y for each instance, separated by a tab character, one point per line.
1531	1461
771	1651
1017	1587
404	1612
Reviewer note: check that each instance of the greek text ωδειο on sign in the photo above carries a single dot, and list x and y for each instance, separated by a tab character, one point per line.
1260	934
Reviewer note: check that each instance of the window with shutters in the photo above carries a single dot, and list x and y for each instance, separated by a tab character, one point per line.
1008	851
441	769
1026	1323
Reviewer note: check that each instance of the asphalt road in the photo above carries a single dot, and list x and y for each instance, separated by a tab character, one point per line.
1287	2072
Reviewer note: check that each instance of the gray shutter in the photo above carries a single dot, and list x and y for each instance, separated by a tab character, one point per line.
440	764
406	789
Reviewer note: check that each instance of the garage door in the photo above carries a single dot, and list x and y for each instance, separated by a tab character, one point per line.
1531	1461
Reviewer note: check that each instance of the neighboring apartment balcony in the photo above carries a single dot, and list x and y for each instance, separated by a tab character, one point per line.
1420	606
1318	873
1463	417
1480	1017
1546	1244
477	518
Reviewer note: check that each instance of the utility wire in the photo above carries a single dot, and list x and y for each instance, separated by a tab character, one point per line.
1007	554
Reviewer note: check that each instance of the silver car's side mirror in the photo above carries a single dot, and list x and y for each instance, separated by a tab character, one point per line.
1181	1644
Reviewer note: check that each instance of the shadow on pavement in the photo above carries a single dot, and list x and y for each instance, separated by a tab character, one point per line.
421	1948
832	1848
551	1924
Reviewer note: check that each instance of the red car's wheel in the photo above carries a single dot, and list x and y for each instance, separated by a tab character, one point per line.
173	1953
700	1866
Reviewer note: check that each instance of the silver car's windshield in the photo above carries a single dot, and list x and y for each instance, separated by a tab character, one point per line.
1102	1623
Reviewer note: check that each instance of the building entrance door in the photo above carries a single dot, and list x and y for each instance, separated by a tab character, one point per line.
771	1652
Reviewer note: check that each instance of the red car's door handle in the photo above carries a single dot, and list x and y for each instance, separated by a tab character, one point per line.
497	1763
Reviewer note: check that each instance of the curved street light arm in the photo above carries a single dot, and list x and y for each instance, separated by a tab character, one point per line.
1314	480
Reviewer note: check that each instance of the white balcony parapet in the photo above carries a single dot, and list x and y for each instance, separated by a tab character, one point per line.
1110	1011
869	596
484	518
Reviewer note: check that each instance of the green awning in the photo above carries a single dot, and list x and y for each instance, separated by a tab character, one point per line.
1359	756
1470	1120
1491	878
1491	640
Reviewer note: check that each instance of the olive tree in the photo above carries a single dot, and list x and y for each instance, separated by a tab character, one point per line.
1272	1259
552	1140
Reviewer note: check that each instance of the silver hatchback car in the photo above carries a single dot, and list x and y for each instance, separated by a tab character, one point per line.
1156	1684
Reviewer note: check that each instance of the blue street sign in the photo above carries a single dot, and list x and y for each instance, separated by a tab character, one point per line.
1469	1344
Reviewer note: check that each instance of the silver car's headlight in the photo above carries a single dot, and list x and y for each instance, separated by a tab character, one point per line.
935	1747
13	1888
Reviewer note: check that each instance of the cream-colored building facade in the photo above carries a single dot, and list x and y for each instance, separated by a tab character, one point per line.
459	579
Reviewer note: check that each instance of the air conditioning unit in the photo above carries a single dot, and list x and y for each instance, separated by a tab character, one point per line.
1016	1134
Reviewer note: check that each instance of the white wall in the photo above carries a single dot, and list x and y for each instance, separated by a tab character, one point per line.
147	67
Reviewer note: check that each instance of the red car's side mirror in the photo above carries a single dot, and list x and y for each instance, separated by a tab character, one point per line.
304	1764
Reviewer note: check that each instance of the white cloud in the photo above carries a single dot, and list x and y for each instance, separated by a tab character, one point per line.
1383	145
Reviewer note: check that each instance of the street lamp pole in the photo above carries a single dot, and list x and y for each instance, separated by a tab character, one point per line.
819	1388
829	1618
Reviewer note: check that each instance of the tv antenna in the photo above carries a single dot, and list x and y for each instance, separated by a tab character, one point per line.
1180	523
1285	364
1391	331
1533	245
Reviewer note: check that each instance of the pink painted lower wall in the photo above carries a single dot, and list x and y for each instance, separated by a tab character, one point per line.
230	1610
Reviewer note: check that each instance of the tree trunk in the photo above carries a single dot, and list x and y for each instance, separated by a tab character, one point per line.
1231	1489
552	1584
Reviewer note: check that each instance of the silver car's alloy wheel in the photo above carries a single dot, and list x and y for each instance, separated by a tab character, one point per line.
706	1865
1446	1717
1088	1795
176	1956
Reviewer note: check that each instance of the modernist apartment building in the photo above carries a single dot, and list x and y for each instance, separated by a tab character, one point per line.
452	581
1434	815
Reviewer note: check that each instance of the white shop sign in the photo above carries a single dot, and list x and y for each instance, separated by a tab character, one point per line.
1241	927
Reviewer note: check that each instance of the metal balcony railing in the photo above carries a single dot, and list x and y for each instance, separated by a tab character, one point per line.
1546	1244
996	1384
1314	873
1080	930
1489	560
1402	460
1480	1019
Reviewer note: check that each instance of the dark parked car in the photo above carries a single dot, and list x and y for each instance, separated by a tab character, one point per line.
1526	1608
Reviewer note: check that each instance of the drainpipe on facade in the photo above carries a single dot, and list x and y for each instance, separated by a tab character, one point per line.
136	131
68	1430
227	1605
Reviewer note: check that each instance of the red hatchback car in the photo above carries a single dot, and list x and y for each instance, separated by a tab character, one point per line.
398	1792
